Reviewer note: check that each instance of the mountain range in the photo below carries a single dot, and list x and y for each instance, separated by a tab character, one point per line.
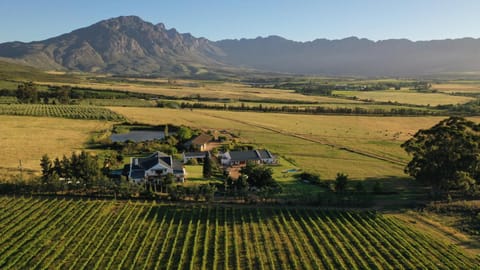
127	45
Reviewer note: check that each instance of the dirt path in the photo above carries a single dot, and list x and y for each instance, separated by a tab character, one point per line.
316	140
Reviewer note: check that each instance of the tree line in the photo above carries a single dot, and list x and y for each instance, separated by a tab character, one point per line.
310	109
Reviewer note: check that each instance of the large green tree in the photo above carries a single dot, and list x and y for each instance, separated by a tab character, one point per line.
27	93
446	156
258	176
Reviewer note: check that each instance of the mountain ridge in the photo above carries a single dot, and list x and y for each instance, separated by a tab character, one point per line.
129	45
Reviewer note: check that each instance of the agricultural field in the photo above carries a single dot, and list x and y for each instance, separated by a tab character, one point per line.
316	143
90	234
406	97
28	138
458	87
342	104
217	90
130	102
63	111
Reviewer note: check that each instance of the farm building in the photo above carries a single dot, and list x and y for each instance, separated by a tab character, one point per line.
194	155
154	167
242	157
199	143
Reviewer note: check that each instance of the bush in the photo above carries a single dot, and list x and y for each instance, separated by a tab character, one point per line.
310	177
341	182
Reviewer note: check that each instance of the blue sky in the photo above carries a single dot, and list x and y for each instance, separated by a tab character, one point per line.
301	20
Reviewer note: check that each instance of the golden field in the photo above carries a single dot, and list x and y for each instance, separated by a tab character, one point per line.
28	138
406	97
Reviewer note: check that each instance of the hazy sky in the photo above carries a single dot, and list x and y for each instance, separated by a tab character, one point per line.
301	20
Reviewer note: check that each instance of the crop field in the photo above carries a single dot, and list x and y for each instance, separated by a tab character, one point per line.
28	138
317	143
63	111
406	97
458	87
347	104
8	100
211	90
129	102
80	234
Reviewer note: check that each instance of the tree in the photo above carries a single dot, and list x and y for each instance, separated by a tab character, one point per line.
341	182
27	93
258	176
184	134
46	165
207	166
446	156
84	168
63	94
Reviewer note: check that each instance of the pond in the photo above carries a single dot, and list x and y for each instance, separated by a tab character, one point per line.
138	136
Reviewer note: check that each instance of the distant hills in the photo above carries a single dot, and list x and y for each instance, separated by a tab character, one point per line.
129	45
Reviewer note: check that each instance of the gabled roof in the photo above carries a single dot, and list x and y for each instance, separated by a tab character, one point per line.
243	155
146	163
264	154
140	165
250	155
149	162
201	139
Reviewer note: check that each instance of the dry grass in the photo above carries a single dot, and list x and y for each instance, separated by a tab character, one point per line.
406	97
457	87
232	91
28	138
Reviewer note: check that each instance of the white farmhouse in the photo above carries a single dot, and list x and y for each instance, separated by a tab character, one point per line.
154	167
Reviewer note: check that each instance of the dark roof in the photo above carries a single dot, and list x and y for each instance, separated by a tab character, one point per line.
137	173
264	154
195	154
243	155
140	165
201	139
152	160
250	155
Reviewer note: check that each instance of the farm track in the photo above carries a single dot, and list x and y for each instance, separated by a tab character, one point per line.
316	140
90	234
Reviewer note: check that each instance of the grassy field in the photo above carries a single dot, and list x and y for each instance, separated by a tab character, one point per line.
80	234
28	138
458	87
344	103
129	102
220	90
363	147
405	97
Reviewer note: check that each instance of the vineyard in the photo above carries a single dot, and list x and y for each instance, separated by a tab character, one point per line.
82	234
64	111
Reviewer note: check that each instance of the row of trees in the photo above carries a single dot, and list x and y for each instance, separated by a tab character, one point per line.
28	93
308	109
78	170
